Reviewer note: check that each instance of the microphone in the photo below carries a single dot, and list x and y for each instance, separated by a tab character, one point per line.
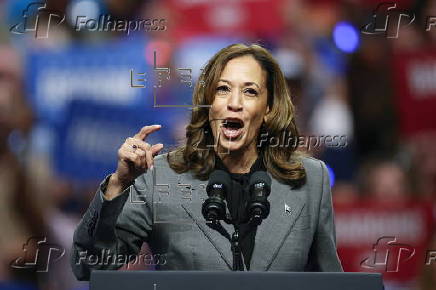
260	188
214	207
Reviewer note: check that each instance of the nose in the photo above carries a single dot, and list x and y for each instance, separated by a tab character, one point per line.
234	102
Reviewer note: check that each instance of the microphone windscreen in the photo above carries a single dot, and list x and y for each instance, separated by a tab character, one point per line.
261	176
220	177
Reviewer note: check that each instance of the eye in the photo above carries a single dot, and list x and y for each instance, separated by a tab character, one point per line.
251	92
222	89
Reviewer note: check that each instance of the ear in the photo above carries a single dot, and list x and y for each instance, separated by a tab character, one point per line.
266	113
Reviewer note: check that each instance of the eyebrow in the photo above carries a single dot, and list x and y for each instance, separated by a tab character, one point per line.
245	84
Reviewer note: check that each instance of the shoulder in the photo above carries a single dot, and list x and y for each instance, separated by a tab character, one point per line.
314	167
316	191
161	159
163	168
316	172
161	162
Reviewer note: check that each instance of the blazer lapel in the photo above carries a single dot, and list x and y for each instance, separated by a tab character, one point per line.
272	232
218	241
193	209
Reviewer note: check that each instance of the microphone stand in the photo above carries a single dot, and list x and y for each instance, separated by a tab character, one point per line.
238	263
238	258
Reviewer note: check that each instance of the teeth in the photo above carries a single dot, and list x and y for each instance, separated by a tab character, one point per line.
232	128
231	133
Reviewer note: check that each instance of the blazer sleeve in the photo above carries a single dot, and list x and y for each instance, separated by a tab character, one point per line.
111	233
323	255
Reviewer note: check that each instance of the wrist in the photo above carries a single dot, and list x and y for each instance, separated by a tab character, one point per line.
115	187
116	181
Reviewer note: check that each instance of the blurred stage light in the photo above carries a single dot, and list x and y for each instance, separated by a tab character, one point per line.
346	37
89	9
331	175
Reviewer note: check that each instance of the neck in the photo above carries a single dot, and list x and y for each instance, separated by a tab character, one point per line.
239	161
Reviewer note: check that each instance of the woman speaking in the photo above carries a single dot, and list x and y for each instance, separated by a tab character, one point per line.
233	197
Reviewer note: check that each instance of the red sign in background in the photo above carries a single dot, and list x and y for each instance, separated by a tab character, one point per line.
391	239
228	18
415	88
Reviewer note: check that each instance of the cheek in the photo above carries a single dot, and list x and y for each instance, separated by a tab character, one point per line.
255	123
217	106
254	127
256	118
214	115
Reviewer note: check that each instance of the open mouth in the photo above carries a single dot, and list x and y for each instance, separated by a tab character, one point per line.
232	128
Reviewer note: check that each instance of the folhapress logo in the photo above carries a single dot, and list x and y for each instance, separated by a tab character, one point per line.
38	19
388	255
106	23
38	255
387	20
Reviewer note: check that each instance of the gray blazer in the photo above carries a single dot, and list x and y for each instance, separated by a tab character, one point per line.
163	209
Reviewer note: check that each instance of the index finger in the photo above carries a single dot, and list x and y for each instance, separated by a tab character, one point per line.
145	131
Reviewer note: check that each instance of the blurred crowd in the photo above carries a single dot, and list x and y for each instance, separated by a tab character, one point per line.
377	91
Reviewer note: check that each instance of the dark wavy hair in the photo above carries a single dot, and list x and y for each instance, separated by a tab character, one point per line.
281	161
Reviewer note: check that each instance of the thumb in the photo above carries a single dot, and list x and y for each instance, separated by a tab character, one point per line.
156	148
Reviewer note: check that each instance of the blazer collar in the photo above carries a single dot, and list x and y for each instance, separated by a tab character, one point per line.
271	233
